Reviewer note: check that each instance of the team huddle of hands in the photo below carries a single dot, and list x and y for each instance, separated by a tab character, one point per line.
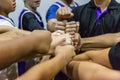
64	41
71	28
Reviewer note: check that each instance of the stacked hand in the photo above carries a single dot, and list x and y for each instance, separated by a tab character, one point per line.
69	27
64	13
66	52
59	38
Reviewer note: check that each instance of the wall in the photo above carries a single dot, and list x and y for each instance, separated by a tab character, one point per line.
42	9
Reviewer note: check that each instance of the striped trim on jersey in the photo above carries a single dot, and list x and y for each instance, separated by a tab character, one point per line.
7	19
24	11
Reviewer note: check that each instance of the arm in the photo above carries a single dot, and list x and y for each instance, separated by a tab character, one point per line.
91	43
54	25
100	42
57	20
16	49
51	17
8	33
97	56
43	72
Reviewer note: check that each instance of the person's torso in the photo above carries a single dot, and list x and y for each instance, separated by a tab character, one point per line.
91	25
25	22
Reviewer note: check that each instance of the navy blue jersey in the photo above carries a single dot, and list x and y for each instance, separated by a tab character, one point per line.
29	20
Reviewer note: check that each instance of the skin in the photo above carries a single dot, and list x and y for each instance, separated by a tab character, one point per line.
64	55
97	60
84	70
68	2
97	42
42	44
14	45
6	9
58	24
98	56
103	4
32	4
8	33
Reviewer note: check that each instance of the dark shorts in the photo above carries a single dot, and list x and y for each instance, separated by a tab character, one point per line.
114	56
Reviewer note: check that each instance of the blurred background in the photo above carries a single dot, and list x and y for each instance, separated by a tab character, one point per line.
45	4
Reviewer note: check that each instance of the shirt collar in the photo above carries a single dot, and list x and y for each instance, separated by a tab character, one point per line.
113	4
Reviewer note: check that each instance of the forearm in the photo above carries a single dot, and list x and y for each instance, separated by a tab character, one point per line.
100	42
45	71
13	50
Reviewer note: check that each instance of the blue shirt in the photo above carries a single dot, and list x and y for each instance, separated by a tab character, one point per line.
51	13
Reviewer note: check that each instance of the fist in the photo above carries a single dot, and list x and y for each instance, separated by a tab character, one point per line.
64	13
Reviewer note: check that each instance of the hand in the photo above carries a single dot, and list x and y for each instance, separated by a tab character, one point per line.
72	27
65	52
59	25
64	13
59	38
77	42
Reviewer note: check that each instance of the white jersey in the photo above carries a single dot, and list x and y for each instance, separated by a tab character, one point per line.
6	21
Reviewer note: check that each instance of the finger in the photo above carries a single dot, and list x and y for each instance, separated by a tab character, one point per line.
70	30
60	31
78	26
72	26
59	12
60	23
64	13
71	22
72	33
60	28
67	16
65	21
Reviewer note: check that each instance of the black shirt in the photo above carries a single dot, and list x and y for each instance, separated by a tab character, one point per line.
30	22
108	23
114	56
